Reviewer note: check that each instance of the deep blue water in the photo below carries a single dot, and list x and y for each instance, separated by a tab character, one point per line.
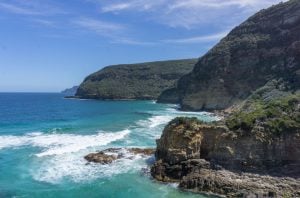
43	138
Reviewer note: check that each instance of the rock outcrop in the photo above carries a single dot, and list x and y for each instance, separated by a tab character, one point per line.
143	151
264	47
100	157
209	157
134	81
109	155
231	184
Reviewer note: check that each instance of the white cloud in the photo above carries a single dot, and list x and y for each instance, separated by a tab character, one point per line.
198	39
115	32
31	7
189	13
116	7
140	5
44	22
192	4
129	41
18	10
101	27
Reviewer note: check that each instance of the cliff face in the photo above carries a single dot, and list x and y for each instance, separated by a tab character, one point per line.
254	151
135	81
264	47
205	157
70	91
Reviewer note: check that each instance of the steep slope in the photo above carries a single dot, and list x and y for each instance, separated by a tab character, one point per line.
134	81
70	91
254	150
264	47
256	161
251	152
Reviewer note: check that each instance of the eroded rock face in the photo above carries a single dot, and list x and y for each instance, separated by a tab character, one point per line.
210	158
253	154
183	139
143	151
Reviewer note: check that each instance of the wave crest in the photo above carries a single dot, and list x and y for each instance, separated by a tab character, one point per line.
57	144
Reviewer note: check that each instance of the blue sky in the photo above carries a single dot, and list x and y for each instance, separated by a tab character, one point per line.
49	45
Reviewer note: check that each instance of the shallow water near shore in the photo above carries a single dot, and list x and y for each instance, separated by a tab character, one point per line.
43	138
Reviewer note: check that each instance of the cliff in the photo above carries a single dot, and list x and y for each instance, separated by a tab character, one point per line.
134	81
253	151
70	91
253	76
263	48
239	162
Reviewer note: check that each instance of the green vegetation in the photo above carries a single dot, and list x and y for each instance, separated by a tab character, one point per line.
276	116
134	81
186	121
251	55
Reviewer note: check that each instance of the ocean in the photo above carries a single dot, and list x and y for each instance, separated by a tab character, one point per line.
44	137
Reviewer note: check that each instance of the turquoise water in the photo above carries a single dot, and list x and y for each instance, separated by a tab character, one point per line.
43	138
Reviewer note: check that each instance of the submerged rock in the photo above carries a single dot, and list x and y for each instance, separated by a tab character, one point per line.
136	151
109	155
100	157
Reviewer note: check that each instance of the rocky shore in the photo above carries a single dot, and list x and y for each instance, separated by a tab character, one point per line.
253	77
209	158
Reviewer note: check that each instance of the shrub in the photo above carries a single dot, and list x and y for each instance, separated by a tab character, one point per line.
276	116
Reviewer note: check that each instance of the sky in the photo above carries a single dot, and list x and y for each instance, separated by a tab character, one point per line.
50	45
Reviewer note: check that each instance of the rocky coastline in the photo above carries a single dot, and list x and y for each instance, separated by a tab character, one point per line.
264	47
251	78
208	158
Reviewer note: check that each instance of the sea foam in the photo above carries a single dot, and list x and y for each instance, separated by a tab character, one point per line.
154	121
59	157
57	144
72	167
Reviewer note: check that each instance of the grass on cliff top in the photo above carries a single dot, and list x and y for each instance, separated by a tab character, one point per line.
276	116
187	121
190	123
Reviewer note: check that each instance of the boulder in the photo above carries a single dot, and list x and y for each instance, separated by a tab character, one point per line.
105	156
100	157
